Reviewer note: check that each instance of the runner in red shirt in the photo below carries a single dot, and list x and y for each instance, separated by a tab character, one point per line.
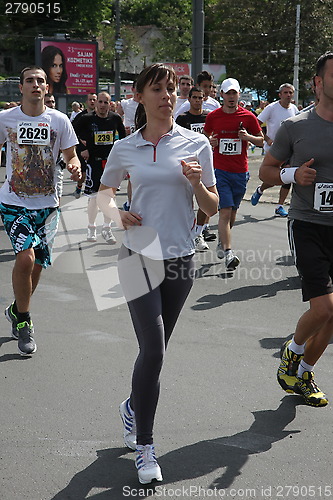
229	129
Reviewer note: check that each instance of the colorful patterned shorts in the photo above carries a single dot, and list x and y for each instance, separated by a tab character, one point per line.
31	229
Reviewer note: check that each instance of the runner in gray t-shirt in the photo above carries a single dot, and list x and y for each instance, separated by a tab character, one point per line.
307	140
301	138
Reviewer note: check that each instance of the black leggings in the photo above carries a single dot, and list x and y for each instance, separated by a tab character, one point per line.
155	292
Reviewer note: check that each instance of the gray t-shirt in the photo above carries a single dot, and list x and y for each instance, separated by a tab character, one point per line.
301	138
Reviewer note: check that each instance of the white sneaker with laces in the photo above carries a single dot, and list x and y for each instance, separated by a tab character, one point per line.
91	234
231	260
146	463
200	244
128	418
108	235
220	251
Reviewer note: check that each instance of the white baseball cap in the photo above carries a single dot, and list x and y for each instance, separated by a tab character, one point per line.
230	84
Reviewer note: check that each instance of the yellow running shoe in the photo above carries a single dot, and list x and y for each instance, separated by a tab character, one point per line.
287	371
311	393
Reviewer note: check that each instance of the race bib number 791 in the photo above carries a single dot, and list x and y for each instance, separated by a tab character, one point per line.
230	147
33	132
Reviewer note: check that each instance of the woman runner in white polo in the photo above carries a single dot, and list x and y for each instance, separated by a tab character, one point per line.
167	165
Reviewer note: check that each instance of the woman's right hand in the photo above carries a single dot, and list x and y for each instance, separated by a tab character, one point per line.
129	219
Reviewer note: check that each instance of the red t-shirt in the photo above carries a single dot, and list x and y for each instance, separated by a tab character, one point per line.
231	152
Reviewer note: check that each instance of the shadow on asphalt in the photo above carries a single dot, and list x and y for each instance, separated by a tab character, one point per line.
274	343
202	271
286	260
246	293
6	255
246	219
12	356
249	218
112	472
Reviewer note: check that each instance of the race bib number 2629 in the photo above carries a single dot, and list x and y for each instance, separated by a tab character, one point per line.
33	132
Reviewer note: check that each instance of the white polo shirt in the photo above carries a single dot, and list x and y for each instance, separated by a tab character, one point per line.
161	194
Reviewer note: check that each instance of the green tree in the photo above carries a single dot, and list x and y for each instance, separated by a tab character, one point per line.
256	39
248	35
20	26
172	17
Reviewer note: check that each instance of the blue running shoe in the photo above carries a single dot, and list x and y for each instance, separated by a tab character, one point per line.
255	197
281	212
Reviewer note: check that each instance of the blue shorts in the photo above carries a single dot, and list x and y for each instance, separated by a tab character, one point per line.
31	229
231	187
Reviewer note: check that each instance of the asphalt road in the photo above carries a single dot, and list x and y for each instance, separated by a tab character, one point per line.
224	428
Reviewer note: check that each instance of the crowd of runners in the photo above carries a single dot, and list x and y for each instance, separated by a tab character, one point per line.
187	147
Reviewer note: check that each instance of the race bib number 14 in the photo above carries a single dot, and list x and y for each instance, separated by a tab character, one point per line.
33	132
323	197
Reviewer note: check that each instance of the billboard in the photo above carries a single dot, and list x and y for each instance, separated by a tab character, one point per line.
70	65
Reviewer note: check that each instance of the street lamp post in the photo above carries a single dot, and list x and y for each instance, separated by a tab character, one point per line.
118	47
197	37
296	53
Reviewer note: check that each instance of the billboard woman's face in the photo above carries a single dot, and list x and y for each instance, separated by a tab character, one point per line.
56	69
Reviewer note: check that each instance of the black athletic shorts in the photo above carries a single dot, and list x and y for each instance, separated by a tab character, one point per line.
94	171
312	248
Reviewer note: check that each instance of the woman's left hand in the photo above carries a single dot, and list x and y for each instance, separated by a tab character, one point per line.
192	171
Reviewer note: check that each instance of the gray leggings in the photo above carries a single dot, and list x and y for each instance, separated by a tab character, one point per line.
165	286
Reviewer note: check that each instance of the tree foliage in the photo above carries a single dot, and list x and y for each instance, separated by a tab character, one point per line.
247	36
174	20
244	34
78	18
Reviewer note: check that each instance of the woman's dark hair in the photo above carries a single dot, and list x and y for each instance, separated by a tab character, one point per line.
152	74
203	76
48	55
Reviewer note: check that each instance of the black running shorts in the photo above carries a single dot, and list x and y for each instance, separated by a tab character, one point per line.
312	247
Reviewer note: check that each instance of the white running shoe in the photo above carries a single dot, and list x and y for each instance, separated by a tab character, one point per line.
146	463
231	260
200	244
128	418
91	234
219	251
108	235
